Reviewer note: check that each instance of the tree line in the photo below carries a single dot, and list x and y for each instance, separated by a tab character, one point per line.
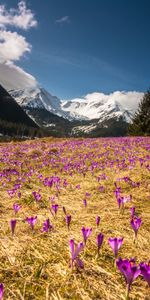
140	125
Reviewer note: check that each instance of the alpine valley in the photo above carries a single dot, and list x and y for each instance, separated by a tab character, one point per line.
96	114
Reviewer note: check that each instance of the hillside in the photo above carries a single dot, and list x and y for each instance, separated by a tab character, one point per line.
11	111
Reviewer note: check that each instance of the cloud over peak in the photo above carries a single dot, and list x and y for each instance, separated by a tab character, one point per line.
13	77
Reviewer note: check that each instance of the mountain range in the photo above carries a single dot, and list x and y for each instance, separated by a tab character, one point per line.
95	114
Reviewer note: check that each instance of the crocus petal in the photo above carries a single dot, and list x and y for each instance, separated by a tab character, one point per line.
1	290
72	249
115	244
80	263
78	249
145	271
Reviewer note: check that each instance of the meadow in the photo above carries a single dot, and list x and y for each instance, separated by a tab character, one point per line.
75	219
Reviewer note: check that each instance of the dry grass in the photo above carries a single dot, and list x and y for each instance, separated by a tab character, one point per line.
34	265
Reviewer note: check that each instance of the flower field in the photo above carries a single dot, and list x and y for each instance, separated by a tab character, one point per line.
75	219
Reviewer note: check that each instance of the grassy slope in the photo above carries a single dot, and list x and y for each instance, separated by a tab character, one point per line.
34	265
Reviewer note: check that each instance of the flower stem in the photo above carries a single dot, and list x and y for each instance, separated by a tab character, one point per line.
127	293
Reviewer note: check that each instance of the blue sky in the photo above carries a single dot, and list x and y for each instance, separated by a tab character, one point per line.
82	46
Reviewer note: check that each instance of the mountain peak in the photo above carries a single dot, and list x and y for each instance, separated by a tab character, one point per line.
95	105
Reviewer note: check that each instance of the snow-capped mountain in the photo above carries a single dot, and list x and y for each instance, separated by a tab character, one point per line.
36	98
93	106
102	109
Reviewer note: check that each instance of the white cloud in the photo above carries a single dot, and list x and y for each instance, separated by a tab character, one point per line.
21	17
13	77
128	100
12	46
64	19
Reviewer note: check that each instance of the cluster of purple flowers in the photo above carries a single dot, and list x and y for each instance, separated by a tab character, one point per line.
16	176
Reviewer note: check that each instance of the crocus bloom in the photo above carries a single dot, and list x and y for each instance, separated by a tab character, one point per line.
85	203
37	196
98	220
136	223
86	233
78	186
47	226
1	291
87	194
55	208
13	225
119	200
101	188
126	199
68	220
99	240
130	271
145	271
16	207
115	244
132	211
31	221
75	252
19	194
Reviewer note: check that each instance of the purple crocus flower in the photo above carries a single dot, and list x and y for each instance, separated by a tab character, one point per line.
37	196
119	200
31	221
11	192
87	194
136	223
68	220
130	271
78	186
99	240
101	188
86	232
85	203
126	199
19	195
98	220
55	208
13	225
1	291
115	244
145	271
47	226
74	254
132	211
117	191
16	207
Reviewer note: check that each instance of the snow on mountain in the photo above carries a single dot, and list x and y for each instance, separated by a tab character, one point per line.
92	106
35	97
102	106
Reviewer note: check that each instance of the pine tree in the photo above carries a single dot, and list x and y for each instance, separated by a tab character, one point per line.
141	121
